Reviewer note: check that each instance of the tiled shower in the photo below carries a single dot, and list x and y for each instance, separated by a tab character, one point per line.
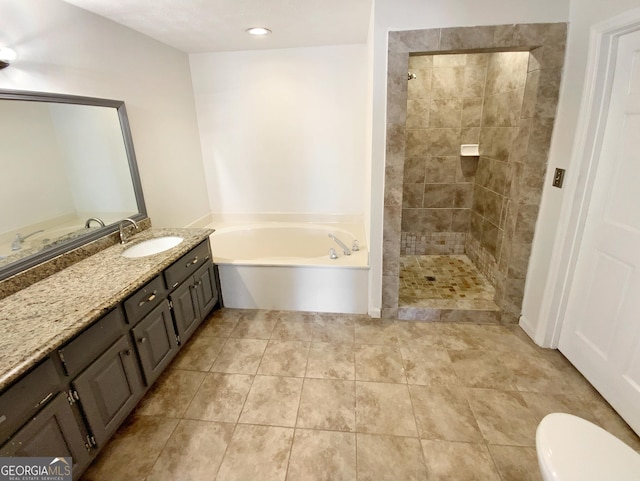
469	218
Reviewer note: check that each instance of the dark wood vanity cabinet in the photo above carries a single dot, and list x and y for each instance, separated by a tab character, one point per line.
74	400
156	341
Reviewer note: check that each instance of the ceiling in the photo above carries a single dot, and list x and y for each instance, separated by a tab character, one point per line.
196	26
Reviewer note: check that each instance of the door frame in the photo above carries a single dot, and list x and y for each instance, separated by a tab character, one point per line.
594	108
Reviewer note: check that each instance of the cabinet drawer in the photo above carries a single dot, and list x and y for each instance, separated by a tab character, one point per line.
144	300
92	342
187	264
26	397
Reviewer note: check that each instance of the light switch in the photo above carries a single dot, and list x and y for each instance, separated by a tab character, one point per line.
558	178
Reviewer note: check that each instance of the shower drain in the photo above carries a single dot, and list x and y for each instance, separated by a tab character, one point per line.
430	278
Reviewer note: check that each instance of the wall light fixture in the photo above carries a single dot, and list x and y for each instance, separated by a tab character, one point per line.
7	55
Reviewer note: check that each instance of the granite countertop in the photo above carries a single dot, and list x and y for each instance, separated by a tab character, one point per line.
47	314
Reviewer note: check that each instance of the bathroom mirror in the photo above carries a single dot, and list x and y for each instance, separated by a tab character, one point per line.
69	175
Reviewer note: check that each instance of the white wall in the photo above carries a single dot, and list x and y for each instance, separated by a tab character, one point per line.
283	130
540	302
422	14
62	48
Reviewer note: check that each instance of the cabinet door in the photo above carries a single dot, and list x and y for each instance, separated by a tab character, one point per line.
206	292
109	389
185	309
156	341
52	432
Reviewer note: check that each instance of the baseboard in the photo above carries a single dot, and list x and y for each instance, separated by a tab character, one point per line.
527	327
375	312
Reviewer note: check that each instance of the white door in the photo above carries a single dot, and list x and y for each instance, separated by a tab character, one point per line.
601	330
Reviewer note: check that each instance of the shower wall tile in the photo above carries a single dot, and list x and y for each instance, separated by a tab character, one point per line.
397	88
447	82
490	238
461	220
483	172
471	112
417	143
414	41
445	113
528	35
391	258
426	220
525	223
495	142
519	261
449	60
477	59
420	87
470	135
492	207
412	195
539	140
502	109
421	61
503	36
392	222
395	149
474	79
466	168
531	183
438	196
415	169
475	225
442	142
462	196
499	177
467	37
506	71
520	142
530	95
390	289
550	56
418	114
440	170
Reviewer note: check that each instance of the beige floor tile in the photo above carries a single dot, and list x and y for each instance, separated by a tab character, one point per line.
331	361
273	401
220	397
328	404
389	458
443	412
302	329
257	452
193	453
199	353
541	404
483	369
336	328
516	463
132	451
535	374
322	456
257	325
384	409
503	417
499	338
457	337
460	461
285	358
220	324
379	363
421	333
375	331
426	365
240	356
171	394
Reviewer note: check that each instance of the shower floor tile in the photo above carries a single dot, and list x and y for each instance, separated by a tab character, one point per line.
444	282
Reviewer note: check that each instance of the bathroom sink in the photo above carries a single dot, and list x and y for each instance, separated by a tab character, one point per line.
152	246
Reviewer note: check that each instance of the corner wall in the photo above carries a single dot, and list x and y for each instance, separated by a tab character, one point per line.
64	49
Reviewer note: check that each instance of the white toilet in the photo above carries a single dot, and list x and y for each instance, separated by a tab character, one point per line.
573	449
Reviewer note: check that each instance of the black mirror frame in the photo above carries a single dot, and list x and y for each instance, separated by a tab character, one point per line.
43	256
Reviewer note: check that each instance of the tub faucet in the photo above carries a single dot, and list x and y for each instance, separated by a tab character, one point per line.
123	239
16	245
91	219
344	248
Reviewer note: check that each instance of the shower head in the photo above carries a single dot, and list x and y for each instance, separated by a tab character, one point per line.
411	76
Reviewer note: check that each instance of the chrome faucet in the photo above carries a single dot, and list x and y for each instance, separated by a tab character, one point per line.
123	239
87	224
344	248
16	245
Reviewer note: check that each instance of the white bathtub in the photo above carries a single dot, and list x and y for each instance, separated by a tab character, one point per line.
286	266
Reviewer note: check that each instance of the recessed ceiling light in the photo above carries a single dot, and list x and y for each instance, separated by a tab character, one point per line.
258	31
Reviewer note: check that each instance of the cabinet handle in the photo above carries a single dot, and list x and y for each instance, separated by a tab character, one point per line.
193	261
148	299
127	352
3	418
46	398
142	340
